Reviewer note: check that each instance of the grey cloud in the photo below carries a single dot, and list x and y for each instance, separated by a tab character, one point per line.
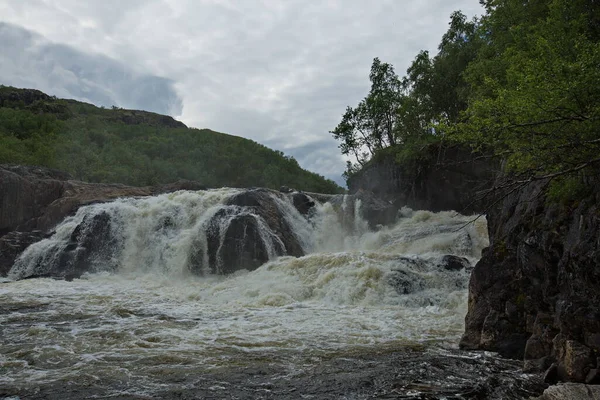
278	72
28	60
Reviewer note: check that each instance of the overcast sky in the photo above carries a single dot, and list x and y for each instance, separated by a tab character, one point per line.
278	72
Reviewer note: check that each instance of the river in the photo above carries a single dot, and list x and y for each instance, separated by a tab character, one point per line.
365	314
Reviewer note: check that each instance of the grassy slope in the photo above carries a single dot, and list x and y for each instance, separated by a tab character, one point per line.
137	147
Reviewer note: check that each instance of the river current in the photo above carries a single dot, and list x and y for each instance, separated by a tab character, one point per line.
361	305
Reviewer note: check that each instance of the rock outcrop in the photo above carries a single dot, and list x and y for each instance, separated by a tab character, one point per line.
571	391
535	293
249	232
447	178
35	199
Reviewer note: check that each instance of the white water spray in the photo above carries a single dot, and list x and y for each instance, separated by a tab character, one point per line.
354	289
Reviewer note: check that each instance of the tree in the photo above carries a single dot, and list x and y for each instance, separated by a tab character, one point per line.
371	126
536	87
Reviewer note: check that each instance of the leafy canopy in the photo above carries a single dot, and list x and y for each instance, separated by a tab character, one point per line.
521	83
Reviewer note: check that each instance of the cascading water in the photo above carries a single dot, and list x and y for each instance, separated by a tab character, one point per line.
151	312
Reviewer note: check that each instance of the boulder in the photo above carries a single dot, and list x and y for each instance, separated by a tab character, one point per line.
304	204
405	282
245	234
262	202
571	391
454	263
91	249
235	243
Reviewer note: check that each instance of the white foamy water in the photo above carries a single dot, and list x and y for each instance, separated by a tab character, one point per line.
356	290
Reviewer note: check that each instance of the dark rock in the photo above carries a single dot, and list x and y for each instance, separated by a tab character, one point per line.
537	287
375	210
26	97
593	377
454	263
551	374
240	236
13	244
261	202
37	199
93	247
443	178
540	344
242	246
285	189
571	391
303	203
405	282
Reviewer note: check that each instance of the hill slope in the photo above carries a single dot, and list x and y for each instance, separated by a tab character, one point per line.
137	147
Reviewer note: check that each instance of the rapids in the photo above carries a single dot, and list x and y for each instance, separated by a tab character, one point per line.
145	324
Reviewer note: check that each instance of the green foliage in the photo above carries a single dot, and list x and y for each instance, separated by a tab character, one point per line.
137	148
407	114
371	125
568	189
521	83
536	87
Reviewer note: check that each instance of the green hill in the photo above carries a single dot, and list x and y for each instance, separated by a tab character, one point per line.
137	147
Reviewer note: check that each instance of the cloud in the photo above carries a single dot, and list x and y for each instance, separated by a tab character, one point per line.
28	60
278	72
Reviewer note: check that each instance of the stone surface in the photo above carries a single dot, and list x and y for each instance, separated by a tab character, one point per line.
243	235
12	244
303	203
535	293
454	263
445	178
571	391
36	199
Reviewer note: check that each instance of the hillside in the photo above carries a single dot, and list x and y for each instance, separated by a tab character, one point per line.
137	147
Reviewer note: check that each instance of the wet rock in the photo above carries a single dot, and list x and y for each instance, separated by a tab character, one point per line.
593	377
261	202
375	210
235	243
576	361
543	261
303	203
551	374
405	282
571	391
13	244
244	235
454	263
35	199
90	249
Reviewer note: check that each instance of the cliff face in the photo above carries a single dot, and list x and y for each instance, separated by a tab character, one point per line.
442	179
34	199
535	293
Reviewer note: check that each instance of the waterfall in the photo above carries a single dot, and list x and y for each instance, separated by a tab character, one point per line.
190	281
225	230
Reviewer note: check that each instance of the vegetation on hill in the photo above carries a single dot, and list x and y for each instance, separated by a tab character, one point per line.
521	83
137	147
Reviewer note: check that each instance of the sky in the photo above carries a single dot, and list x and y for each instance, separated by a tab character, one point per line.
277	72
